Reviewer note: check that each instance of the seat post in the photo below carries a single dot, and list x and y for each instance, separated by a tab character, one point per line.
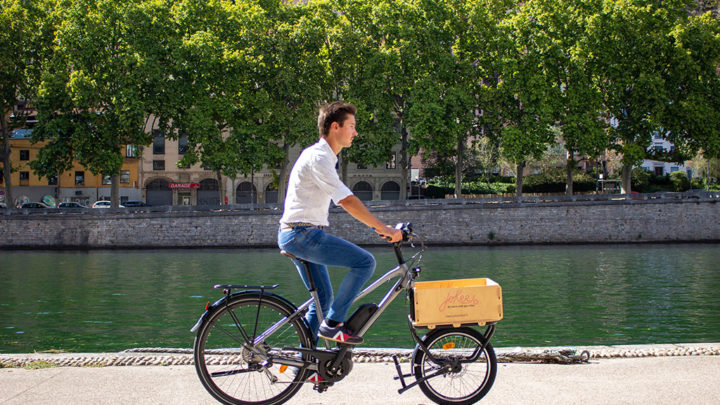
312	289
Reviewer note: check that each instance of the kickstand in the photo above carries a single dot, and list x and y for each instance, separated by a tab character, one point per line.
400	375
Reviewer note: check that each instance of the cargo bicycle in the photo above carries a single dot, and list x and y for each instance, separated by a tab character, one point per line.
253	346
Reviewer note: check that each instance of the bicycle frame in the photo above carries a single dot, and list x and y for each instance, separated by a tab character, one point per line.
401	271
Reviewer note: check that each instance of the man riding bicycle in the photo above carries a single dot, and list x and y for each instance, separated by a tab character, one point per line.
313	183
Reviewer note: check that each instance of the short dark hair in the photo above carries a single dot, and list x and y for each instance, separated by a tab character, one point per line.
336	111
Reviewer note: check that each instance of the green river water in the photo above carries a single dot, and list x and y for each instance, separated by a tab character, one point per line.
106	301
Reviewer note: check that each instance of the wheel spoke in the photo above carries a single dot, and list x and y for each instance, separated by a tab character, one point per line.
466	382
230	369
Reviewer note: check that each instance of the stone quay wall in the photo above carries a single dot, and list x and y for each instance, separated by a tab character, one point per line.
440	222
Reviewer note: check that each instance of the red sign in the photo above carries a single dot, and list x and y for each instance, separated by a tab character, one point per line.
184	185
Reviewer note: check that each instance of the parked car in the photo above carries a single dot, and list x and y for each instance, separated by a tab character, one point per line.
104	204
34	205
135	204
71	205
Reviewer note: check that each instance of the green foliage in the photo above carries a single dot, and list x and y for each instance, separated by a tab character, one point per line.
552	180
90	101
468	82
641	180
680	181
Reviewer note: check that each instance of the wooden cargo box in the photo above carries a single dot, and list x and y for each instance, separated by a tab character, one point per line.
457	302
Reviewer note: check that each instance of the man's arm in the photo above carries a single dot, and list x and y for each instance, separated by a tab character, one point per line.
359	211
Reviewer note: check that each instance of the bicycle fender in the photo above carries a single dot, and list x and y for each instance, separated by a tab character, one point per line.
225	298
206	313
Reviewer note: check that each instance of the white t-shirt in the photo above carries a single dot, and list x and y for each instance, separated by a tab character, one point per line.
313	183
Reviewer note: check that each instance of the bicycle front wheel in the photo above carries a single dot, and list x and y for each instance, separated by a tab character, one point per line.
466	382
234	371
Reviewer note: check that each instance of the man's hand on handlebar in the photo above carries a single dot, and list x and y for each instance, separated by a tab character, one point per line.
391	234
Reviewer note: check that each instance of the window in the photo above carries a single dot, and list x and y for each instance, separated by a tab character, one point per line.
107	180
24	176
2	176
207	167
361	167
390	164
125	176
52	181
659	149
79	178
158	143
674	169
131	151
183	144
158	165
24	155
659	170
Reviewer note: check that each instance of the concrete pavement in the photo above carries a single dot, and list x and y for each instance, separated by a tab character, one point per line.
648	380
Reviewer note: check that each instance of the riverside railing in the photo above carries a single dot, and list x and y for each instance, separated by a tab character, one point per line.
659	197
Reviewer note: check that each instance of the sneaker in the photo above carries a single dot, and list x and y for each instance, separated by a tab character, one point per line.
338	334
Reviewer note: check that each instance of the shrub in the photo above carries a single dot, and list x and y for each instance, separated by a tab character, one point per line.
679	181
640	180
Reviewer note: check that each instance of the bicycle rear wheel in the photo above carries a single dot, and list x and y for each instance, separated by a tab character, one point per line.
235	373
467	383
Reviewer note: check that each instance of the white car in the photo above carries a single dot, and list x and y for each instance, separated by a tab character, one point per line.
104	204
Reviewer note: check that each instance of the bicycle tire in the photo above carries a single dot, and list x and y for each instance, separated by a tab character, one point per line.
468	384
232	374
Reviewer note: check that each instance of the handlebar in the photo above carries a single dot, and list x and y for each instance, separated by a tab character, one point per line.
407	235
406	229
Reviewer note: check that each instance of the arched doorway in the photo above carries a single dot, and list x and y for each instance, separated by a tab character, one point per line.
245	193
207	194
363	190
390	191
158	192
271	194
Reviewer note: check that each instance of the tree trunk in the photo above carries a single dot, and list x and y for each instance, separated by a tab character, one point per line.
221	188
569	172
5	154
404	161
343	169
519	179
282	180
459	168
115	191
627	179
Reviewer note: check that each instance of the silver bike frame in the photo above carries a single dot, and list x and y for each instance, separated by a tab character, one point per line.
404	280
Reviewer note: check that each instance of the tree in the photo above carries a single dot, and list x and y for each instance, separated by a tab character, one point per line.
25	40
209	74
691	115
445	104
349	56
558	30
524	103
627	42
281	92
91	100
396	29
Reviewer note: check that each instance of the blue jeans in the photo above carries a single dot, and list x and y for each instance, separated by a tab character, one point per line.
320	249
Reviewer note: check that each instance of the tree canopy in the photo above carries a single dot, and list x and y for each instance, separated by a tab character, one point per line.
242	80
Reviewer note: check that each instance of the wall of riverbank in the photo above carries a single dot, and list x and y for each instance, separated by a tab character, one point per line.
537	220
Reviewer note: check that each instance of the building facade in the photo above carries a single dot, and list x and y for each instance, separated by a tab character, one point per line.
660	168
165	183
77	185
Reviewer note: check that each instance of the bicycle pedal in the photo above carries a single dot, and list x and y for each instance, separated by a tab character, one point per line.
322	387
